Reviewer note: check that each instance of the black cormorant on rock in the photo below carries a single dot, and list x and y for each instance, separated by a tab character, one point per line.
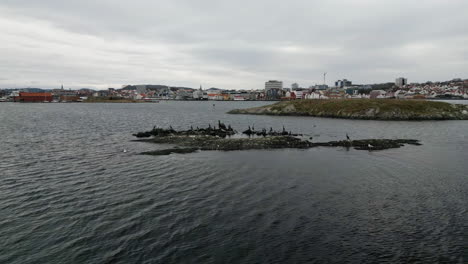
221	125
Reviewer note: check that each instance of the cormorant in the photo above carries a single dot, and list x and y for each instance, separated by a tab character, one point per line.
221	125
248	131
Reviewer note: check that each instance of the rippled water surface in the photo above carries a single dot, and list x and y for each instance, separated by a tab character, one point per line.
69	194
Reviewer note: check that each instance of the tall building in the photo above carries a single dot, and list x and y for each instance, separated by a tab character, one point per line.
343	83
273	84
273	90
400	82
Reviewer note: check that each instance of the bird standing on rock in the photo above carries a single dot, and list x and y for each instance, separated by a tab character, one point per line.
221	125
248	131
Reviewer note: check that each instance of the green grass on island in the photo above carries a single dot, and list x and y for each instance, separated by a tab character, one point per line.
374	109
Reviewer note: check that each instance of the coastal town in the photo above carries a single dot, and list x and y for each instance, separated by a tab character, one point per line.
273	90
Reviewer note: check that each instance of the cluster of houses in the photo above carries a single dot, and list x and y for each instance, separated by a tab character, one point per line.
344	89
38	95
158	92
456	89
146	93
274	90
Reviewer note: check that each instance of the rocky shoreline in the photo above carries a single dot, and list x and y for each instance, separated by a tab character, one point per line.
369	109
212	138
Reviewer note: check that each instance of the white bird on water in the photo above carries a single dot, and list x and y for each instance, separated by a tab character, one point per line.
369	146
124	150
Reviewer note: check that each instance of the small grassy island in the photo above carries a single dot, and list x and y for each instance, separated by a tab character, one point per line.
372	109
225	138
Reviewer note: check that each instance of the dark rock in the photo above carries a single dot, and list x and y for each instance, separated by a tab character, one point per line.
170	151
216	139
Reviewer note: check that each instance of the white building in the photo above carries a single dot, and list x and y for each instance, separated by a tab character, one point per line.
200	94
316	95
299	94
273	84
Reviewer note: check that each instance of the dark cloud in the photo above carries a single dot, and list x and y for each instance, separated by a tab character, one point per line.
231	44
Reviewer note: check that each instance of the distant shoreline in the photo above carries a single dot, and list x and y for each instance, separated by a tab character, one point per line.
231	101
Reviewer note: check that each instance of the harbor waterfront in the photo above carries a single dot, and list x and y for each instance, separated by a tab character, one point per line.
74	189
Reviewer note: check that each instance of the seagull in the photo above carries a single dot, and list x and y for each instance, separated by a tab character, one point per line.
124	150
347	136
369	146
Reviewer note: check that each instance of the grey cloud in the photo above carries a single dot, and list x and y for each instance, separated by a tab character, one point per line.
231	44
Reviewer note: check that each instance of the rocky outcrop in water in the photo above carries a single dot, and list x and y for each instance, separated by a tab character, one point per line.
211	138
221	131
377	109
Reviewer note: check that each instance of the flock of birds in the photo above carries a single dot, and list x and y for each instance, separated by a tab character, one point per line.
251	131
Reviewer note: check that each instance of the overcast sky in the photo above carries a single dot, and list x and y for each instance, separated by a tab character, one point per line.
229	44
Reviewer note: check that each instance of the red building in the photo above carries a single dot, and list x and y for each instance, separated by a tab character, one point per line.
33	97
